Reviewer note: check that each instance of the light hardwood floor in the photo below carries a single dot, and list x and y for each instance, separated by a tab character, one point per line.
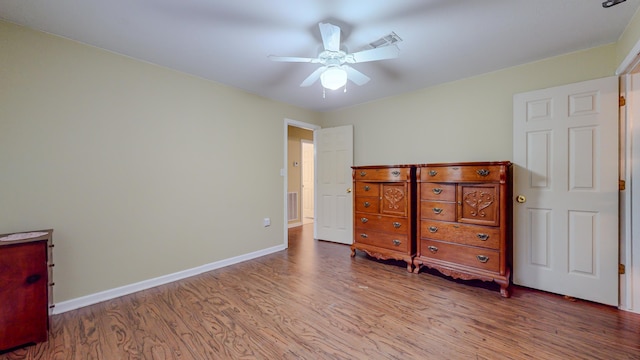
313	301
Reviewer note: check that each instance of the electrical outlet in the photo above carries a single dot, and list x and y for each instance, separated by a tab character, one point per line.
267	222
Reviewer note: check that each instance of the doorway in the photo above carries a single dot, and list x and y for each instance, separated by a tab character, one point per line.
307	165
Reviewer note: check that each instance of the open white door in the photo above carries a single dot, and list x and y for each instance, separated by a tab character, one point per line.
334	202
565	152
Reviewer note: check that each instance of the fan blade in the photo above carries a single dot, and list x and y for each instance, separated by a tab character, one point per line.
381	53
356	76
313	77
330	36
291	59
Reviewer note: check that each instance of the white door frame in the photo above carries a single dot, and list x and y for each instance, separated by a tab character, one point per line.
629	235
283	171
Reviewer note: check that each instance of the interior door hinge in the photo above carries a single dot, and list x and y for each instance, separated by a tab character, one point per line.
622	101
622	185
621	269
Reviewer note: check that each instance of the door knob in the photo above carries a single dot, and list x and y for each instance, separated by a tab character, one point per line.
521	199
348	190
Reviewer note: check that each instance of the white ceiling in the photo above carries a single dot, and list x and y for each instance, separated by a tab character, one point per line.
229	41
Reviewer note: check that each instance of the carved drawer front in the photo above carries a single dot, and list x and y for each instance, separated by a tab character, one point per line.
367	188
388	241
386	174
437	210
479	258
394	199
479	204
438	192
367	204
473	235
389	224
460	173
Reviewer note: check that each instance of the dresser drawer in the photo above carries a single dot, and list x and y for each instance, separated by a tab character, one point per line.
479	258
438	192
384	174
397	225
396	242
437	210
368	204
364	188
461	173
479	236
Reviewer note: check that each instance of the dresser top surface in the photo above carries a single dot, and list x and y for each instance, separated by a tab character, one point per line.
25	237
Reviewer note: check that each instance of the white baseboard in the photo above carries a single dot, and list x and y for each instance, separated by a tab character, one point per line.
76	303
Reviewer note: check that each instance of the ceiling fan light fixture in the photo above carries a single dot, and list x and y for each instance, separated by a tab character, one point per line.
333	78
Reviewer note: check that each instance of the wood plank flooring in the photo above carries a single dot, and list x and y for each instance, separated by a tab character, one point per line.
313	301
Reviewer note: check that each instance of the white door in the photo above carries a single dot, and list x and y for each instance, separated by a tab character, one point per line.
565	151
334	203
307	181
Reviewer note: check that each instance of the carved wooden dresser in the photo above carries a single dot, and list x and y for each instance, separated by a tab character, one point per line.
25	294
384	204
464	220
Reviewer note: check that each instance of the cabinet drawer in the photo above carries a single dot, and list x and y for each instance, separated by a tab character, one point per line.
385	174
364	188
396	242
438	192
437	210
462	234
460	254
461	173
367	204
367	222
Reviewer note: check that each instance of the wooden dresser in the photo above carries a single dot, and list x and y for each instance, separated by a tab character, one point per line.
25	294
464	220
384	206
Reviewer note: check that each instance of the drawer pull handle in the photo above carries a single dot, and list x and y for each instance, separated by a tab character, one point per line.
367	188
437	210
482	258
437	191
396	224
395	173
397	242
483	237
433	229
367	204
433	173
363	173
364	220
433	249
483	172
32	279
364	236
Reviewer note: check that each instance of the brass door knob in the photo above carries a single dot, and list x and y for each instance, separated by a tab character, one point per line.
521	199
348	190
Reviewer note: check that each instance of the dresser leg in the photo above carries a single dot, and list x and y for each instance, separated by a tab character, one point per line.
504	291
410	266
353	252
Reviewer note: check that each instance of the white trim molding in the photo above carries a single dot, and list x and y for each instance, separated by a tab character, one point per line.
87	300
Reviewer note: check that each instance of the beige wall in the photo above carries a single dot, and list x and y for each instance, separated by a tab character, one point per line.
294	154
466	120
141	171
628	39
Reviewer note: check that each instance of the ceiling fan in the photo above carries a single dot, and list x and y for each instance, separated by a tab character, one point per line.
335	71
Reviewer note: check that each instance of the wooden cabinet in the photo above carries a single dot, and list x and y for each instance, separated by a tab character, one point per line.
464	220
383	212
25	296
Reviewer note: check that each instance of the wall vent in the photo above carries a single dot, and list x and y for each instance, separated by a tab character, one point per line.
292	206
